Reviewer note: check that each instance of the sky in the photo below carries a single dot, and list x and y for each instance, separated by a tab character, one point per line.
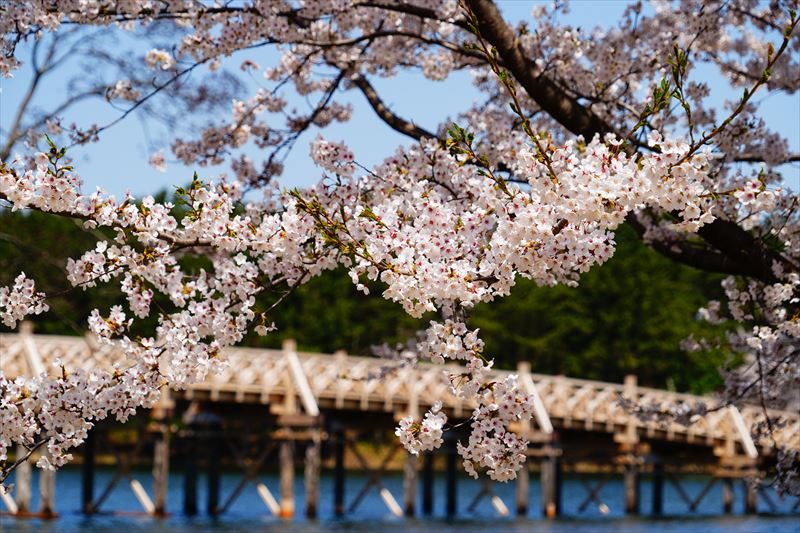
119	162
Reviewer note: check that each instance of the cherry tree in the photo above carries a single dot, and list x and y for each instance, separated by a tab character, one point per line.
577	132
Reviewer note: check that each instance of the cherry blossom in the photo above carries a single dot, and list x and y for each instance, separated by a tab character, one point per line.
20	300
578	131
422	436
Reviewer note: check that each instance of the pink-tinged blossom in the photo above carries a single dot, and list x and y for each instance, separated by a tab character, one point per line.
333	157
158	161
20	300
425	435
439	233
159	58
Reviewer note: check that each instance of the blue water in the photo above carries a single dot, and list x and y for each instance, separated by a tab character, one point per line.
248	512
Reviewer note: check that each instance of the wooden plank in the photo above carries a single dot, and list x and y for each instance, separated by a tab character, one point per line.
299	377
8	501
142	496
539	409
32	357
268	499
744	435
390	502
298	420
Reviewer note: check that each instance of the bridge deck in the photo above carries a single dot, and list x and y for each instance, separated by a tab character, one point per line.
342	381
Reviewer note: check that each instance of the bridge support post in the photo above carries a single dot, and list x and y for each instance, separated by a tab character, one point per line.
658	487
87	473
22	482
450	474
311	476
523	482
286	458
736	465
47	492
427	483
629	447
213	450
161	471
338	472
750	495
550	477
727	495
410	484
161	428
631	483
523	476
190	472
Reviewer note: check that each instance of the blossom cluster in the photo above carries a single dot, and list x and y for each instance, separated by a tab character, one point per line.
422	436
432	247
20	300
443	229
492	446
767	336
213	307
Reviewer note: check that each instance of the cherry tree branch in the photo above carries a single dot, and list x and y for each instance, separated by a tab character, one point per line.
393	120
724	236
547	94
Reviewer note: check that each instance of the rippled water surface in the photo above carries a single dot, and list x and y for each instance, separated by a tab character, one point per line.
248	512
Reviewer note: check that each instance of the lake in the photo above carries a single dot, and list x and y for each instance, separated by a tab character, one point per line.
248	512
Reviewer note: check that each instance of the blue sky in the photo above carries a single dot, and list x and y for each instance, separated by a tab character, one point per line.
119	161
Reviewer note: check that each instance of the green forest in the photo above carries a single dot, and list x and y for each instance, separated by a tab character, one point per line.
627	316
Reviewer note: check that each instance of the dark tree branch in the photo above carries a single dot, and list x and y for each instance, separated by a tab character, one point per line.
751	158
743	252
547	94
411	9
689	253
391	119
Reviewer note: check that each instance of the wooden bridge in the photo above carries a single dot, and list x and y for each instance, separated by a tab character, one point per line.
300	387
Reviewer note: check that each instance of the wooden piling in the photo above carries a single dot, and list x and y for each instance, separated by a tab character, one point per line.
523	476
750	495
338	473
161	471
410	483
658	488
47	492
450	474
87	473
311	477
190	474
727	495
286	459
523	482
214	468
411	461
631	486
427	483
22	482
550	476
628	443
